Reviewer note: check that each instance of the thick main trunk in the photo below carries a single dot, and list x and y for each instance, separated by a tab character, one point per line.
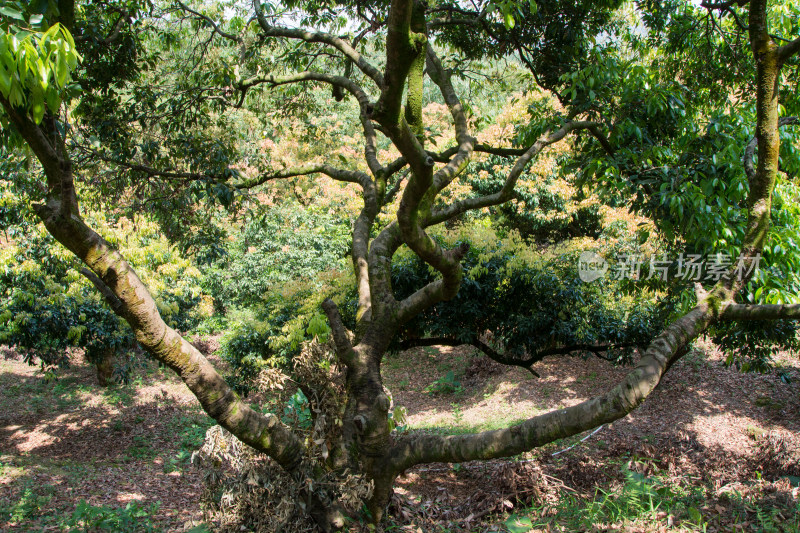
263	432
366	433
372	435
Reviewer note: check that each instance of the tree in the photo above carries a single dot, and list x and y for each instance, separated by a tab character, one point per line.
388	89
51	303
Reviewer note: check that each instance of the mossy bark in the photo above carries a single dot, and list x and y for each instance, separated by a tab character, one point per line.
368	443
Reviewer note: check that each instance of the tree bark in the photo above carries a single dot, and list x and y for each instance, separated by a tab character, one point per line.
105	367
366	442
263	432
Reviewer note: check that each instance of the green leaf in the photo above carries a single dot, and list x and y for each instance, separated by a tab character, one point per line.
53	100
508	19
38	112
12	13
44	73
5	82
518	524
61	71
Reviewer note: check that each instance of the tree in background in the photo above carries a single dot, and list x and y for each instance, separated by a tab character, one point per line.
51	303
350	454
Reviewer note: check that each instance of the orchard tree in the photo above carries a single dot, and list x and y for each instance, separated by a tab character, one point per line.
50	303
384	68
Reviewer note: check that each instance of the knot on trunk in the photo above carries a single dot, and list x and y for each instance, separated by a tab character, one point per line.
383	402
360	423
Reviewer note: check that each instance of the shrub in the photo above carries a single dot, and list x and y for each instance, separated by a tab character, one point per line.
447	384
527	302
544	207
49	306
286	243
133	518
272	335
749	344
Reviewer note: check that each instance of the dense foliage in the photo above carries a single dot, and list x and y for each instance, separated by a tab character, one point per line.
196	133
532	305
49	306
542	209
287	242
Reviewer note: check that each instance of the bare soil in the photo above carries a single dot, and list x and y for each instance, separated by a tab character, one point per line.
705	426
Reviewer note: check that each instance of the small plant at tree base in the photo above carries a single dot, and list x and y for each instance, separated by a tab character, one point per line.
30	504
133	518
458	414
447	384
297	412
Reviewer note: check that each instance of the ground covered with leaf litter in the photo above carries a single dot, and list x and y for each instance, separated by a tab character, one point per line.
711	449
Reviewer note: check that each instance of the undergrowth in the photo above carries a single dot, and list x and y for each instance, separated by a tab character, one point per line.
652	503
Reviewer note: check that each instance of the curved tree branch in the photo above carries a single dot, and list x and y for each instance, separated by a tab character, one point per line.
362	228
381	250
466	142
319	37
788	50
446	155
49	151
542	429
264	433
487	350
309	75
349	176
527	363
210	22
507	191
344	348
760	312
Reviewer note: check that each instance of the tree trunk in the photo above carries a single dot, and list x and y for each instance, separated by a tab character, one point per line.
105	367
366	444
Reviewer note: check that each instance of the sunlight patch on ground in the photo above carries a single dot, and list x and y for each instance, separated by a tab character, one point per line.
126	497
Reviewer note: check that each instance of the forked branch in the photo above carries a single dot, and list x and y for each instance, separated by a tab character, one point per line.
341	338
319	37
466	142
505	194
111	299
